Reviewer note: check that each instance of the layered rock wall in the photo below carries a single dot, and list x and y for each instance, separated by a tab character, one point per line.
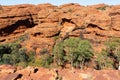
41	22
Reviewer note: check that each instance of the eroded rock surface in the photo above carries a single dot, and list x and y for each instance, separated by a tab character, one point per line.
34	73
45	24
97	21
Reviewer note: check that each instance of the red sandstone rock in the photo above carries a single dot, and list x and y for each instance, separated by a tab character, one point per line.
7	69
45	21
66	74
45	29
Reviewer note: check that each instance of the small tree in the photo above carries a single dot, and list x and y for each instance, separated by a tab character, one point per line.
72	59
113	49
70	48
85	52
59	54
78	51
104	61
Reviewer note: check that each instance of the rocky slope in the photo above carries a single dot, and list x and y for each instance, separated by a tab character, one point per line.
8	72
45	24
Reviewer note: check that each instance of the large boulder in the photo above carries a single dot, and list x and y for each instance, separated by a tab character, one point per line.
45	30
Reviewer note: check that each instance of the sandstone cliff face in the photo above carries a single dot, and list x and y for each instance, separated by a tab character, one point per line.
41	22
14	20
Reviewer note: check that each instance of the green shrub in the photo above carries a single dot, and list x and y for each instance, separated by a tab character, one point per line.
23	64
70	47
31	57
104	61
110	57
75	51
113	49
12	53
72	51
6	59
78	51
58	54
4	48
44	61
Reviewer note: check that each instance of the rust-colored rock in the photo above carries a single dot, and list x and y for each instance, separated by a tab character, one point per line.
7	69
29	73
43	22
45	30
